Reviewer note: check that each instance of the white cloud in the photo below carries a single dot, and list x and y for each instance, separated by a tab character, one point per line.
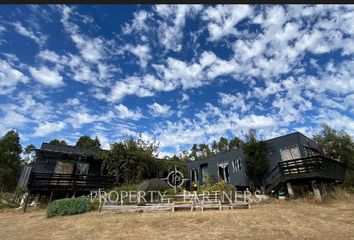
40	40
9	77
223	18
47	77
125	113
46	128
138	22
170	30
236	102
72	102
49	56
140	51
160	110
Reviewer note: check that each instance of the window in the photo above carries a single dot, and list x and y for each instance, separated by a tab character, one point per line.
290	153
204	172
194	174
310	151
82	168
223	172
64	167
236	165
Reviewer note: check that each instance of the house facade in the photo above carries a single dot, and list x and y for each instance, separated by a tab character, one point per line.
292	158
61	170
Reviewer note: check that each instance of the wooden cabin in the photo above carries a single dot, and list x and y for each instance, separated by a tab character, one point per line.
294	159
61	170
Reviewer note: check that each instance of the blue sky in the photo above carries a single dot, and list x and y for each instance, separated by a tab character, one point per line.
180	74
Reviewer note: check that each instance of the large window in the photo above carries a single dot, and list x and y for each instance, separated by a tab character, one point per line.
82	168
194	175
236	165
290	153
204	172
223	172
64	167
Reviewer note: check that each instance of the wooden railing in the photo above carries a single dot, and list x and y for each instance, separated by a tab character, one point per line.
68	182
308	167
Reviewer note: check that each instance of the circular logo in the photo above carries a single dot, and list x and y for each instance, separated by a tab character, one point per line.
175	179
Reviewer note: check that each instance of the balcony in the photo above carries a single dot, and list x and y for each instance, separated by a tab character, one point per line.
42	182
314	167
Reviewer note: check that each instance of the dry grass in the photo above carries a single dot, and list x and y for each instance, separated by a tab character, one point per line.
276	220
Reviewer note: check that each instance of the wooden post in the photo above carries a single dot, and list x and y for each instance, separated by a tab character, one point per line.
323	189
50	198
290	190
26	201
316	191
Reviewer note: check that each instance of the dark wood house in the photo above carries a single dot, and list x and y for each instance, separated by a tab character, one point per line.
61	170
294	159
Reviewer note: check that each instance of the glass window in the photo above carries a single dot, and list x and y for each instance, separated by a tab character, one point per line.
194	174
82	168
290	153
236	165
223	172
64	167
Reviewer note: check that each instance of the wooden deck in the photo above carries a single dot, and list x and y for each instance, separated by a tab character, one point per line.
45	182
314	167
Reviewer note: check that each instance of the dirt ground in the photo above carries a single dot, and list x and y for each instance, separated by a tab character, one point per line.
276	220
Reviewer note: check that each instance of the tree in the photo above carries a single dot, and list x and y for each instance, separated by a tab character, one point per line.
10	165
131	160
235	143
29	153
223	145
204	150
86	141
58	142
338	145
194	152
214	147
256	158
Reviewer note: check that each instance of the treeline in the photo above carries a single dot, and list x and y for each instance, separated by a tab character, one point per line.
203	150
133	160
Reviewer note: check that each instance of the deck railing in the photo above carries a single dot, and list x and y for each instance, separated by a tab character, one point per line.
68	182
308	167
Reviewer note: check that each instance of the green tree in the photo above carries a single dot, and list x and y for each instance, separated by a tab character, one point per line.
338	145
194	152
10	165
86	141
235	143
214	147
131	160
58	142
204	150
223	145
256	158
29	153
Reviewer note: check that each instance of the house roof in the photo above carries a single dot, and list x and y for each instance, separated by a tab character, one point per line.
69	149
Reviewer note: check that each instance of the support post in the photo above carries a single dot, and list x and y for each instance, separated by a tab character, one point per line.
50	198
26	201
316	191
323	189
290	190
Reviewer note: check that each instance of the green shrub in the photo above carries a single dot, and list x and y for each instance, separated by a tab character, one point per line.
220	186
68	206
153	184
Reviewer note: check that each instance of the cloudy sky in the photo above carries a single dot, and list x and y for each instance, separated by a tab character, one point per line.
182	74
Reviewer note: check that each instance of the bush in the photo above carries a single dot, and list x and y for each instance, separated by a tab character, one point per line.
153	184
220	186
68	206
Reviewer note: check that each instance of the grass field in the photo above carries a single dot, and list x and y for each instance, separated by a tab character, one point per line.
276	220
